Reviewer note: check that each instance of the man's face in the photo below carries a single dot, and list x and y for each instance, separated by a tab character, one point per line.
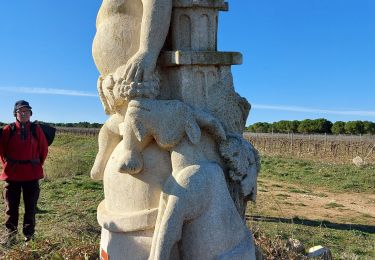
23	114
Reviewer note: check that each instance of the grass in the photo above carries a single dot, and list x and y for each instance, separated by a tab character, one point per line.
66	221
70	155
333	205
342	243
345	238
282	195
67	227
333	177
295	190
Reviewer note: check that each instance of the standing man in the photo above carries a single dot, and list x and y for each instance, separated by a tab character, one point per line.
23	150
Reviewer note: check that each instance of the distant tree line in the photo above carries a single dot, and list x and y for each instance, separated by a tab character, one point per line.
307	126
316	126
78	125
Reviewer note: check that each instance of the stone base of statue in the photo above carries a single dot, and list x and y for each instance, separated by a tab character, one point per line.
131	245
128	213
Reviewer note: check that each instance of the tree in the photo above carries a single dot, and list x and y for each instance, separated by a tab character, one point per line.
83	124
320	125
354	127
338	128
280	126
260	127
285	126
316	126
305	126
96	125
369	127
294	126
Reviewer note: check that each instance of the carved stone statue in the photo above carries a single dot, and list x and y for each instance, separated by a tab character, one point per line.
176	171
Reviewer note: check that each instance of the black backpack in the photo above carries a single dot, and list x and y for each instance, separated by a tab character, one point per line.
49	131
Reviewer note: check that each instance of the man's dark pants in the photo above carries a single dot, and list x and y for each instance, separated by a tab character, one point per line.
12	195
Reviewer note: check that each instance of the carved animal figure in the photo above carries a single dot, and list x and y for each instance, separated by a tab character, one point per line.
115	95
195	209
196	212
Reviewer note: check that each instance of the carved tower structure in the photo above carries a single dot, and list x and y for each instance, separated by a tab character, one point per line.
195	71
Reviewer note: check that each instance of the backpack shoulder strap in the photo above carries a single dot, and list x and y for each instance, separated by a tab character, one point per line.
12	129
33	129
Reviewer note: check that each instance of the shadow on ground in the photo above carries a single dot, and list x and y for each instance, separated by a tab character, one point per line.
315	223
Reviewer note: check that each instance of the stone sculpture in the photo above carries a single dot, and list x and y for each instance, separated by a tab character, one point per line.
176	171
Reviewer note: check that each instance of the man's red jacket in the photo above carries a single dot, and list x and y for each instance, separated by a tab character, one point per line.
22	156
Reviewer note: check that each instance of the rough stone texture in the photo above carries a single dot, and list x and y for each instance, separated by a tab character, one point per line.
358	161
175	58
197	210
243	166
177	174
296	246
319	252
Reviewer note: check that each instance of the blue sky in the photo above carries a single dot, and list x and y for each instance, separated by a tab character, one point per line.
302	58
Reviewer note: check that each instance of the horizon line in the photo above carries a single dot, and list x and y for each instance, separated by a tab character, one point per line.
68	92
314	110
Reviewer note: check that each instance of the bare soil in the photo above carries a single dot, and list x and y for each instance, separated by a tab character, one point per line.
288	201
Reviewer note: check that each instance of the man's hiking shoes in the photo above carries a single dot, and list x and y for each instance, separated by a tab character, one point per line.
28	238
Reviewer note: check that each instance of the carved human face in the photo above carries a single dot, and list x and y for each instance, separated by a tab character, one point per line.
23	114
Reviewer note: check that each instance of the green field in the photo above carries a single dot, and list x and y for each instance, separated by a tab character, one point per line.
316	203
319	204
66	219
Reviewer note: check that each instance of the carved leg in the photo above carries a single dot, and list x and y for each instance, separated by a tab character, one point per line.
162	205
107	142
186	195
170	228
131	161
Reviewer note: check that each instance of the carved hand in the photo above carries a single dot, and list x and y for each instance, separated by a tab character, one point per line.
139	68
103	94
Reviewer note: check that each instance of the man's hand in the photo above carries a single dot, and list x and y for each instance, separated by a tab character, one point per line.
139	68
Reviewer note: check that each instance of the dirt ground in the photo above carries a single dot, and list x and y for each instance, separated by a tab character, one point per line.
290	201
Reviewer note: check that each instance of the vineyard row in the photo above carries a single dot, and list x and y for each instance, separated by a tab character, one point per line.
330	148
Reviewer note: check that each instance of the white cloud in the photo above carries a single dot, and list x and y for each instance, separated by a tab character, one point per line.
314	110
48	91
